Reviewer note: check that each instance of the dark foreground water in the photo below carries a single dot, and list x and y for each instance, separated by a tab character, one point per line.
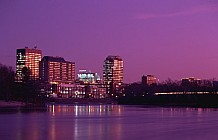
109	122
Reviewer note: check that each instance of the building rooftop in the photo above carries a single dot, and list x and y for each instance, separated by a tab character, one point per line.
54	59
35	49
111	57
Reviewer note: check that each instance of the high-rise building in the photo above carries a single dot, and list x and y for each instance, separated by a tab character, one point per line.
28	58
56	70
113	73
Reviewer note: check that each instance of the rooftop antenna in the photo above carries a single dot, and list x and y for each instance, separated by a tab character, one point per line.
35	47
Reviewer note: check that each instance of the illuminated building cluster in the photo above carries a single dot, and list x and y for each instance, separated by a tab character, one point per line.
28	58
54	72
78	91
57	76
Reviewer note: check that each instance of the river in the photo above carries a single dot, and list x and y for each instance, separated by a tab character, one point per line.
109	122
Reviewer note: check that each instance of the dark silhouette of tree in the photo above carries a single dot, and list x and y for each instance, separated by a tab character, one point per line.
25	91
29	90
26	74
6	82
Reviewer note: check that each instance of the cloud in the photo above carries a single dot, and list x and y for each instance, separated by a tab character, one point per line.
191	11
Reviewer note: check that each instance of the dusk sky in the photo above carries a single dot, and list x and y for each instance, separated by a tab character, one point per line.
166	38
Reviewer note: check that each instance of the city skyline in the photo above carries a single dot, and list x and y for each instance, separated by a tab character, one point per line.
166	39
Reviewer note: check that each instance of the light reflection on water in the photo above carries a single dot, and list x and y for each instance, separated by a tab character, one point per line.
79	110
85	120
98	122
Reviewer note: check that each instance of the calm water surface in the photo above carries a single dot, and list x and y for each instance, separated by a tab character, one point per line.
110	122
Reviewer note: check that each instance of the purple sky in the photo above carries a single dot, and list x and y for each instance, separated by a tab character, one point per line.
166	38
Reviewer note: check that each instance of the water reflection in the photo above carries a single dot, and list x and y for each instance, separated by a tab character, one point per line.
186	111
83	121
78	110
97	122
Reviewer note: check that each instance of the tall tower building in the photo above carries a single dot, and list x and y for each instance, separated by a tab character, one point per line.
113	73
56	70
28	58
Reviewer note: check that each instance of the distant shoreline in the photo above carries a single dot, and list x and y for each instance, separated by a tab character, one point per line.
176	100
11	104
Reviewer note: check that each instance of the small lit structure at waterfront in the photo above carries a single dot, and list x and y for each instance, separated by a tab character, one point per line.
78	91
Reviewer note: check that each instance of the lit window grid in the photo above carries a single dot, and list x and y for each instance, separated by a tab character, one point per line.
29	59
113	71
61	72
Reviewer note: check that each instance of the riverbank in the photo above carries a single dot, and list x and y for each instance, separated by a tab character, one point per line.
175	100
11	104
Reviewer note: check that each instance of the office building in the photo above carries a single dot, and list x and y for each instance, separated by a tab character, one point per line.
149	80
113	73
56	70
28	58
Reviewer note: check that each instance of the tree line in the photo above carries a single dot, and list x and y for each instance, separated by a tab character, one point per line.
27	91
203	86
